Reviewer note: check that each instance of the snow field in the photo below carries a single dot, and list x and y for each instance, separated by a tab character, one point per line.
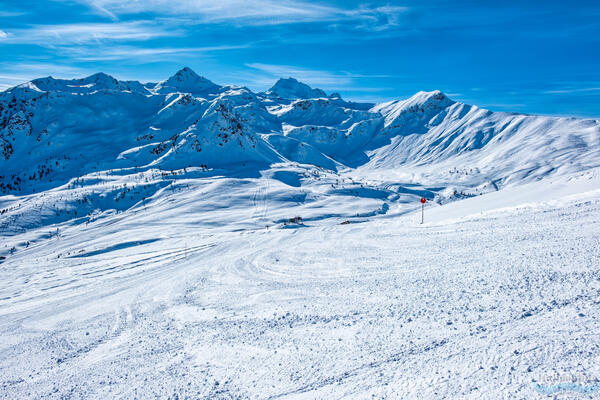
474	306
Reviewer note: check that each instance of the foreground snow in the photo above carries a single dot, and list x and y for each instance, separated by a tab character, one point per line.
491	296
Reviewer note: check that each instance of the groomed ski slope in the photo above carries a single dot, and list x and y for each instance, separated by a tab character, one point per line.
492	296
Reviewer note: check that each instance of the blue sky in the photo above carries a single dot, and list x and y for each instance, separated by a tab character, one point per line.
538	57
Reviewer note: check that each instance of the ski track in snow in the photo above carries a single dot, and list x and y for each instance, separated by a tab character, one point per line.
479	307
259	202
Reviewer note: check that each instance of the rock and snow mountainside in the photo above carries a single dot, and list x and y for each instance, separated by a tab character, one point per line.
431	131
53	130
97	144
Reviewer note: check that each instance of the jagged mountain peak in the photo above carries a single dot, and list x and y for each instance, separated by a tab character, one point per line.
100	77
291	88
435	96
423	105
422	98
186	80
185	74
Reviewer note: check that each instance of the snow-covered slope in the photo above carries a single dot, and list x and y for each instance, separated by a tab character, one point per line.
184	297
452	142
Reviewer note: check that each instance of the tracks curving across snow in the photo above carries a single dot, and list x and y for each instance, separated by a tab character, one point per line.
260	202
480	306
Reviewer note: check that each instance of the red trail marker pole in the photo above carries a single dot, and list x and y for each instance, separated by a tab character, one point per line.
423	201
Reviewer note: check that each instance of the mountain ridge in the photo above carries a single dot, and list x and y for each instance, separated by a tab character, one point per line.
56	131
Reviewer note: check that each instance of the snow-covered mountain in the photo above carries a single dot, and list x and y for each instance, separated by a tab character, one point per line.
186	81
55	132
290	88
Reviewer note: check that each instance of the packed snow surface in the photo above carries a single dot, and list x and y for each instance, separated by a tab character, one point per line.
183	239
483	303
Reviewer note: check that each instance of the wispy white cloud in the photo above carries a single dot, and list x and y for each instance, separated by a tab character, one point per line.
269	72
262	76
379	18
99	9
37	68
573	90
8	14
80	33
255	12
3	34
142	54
